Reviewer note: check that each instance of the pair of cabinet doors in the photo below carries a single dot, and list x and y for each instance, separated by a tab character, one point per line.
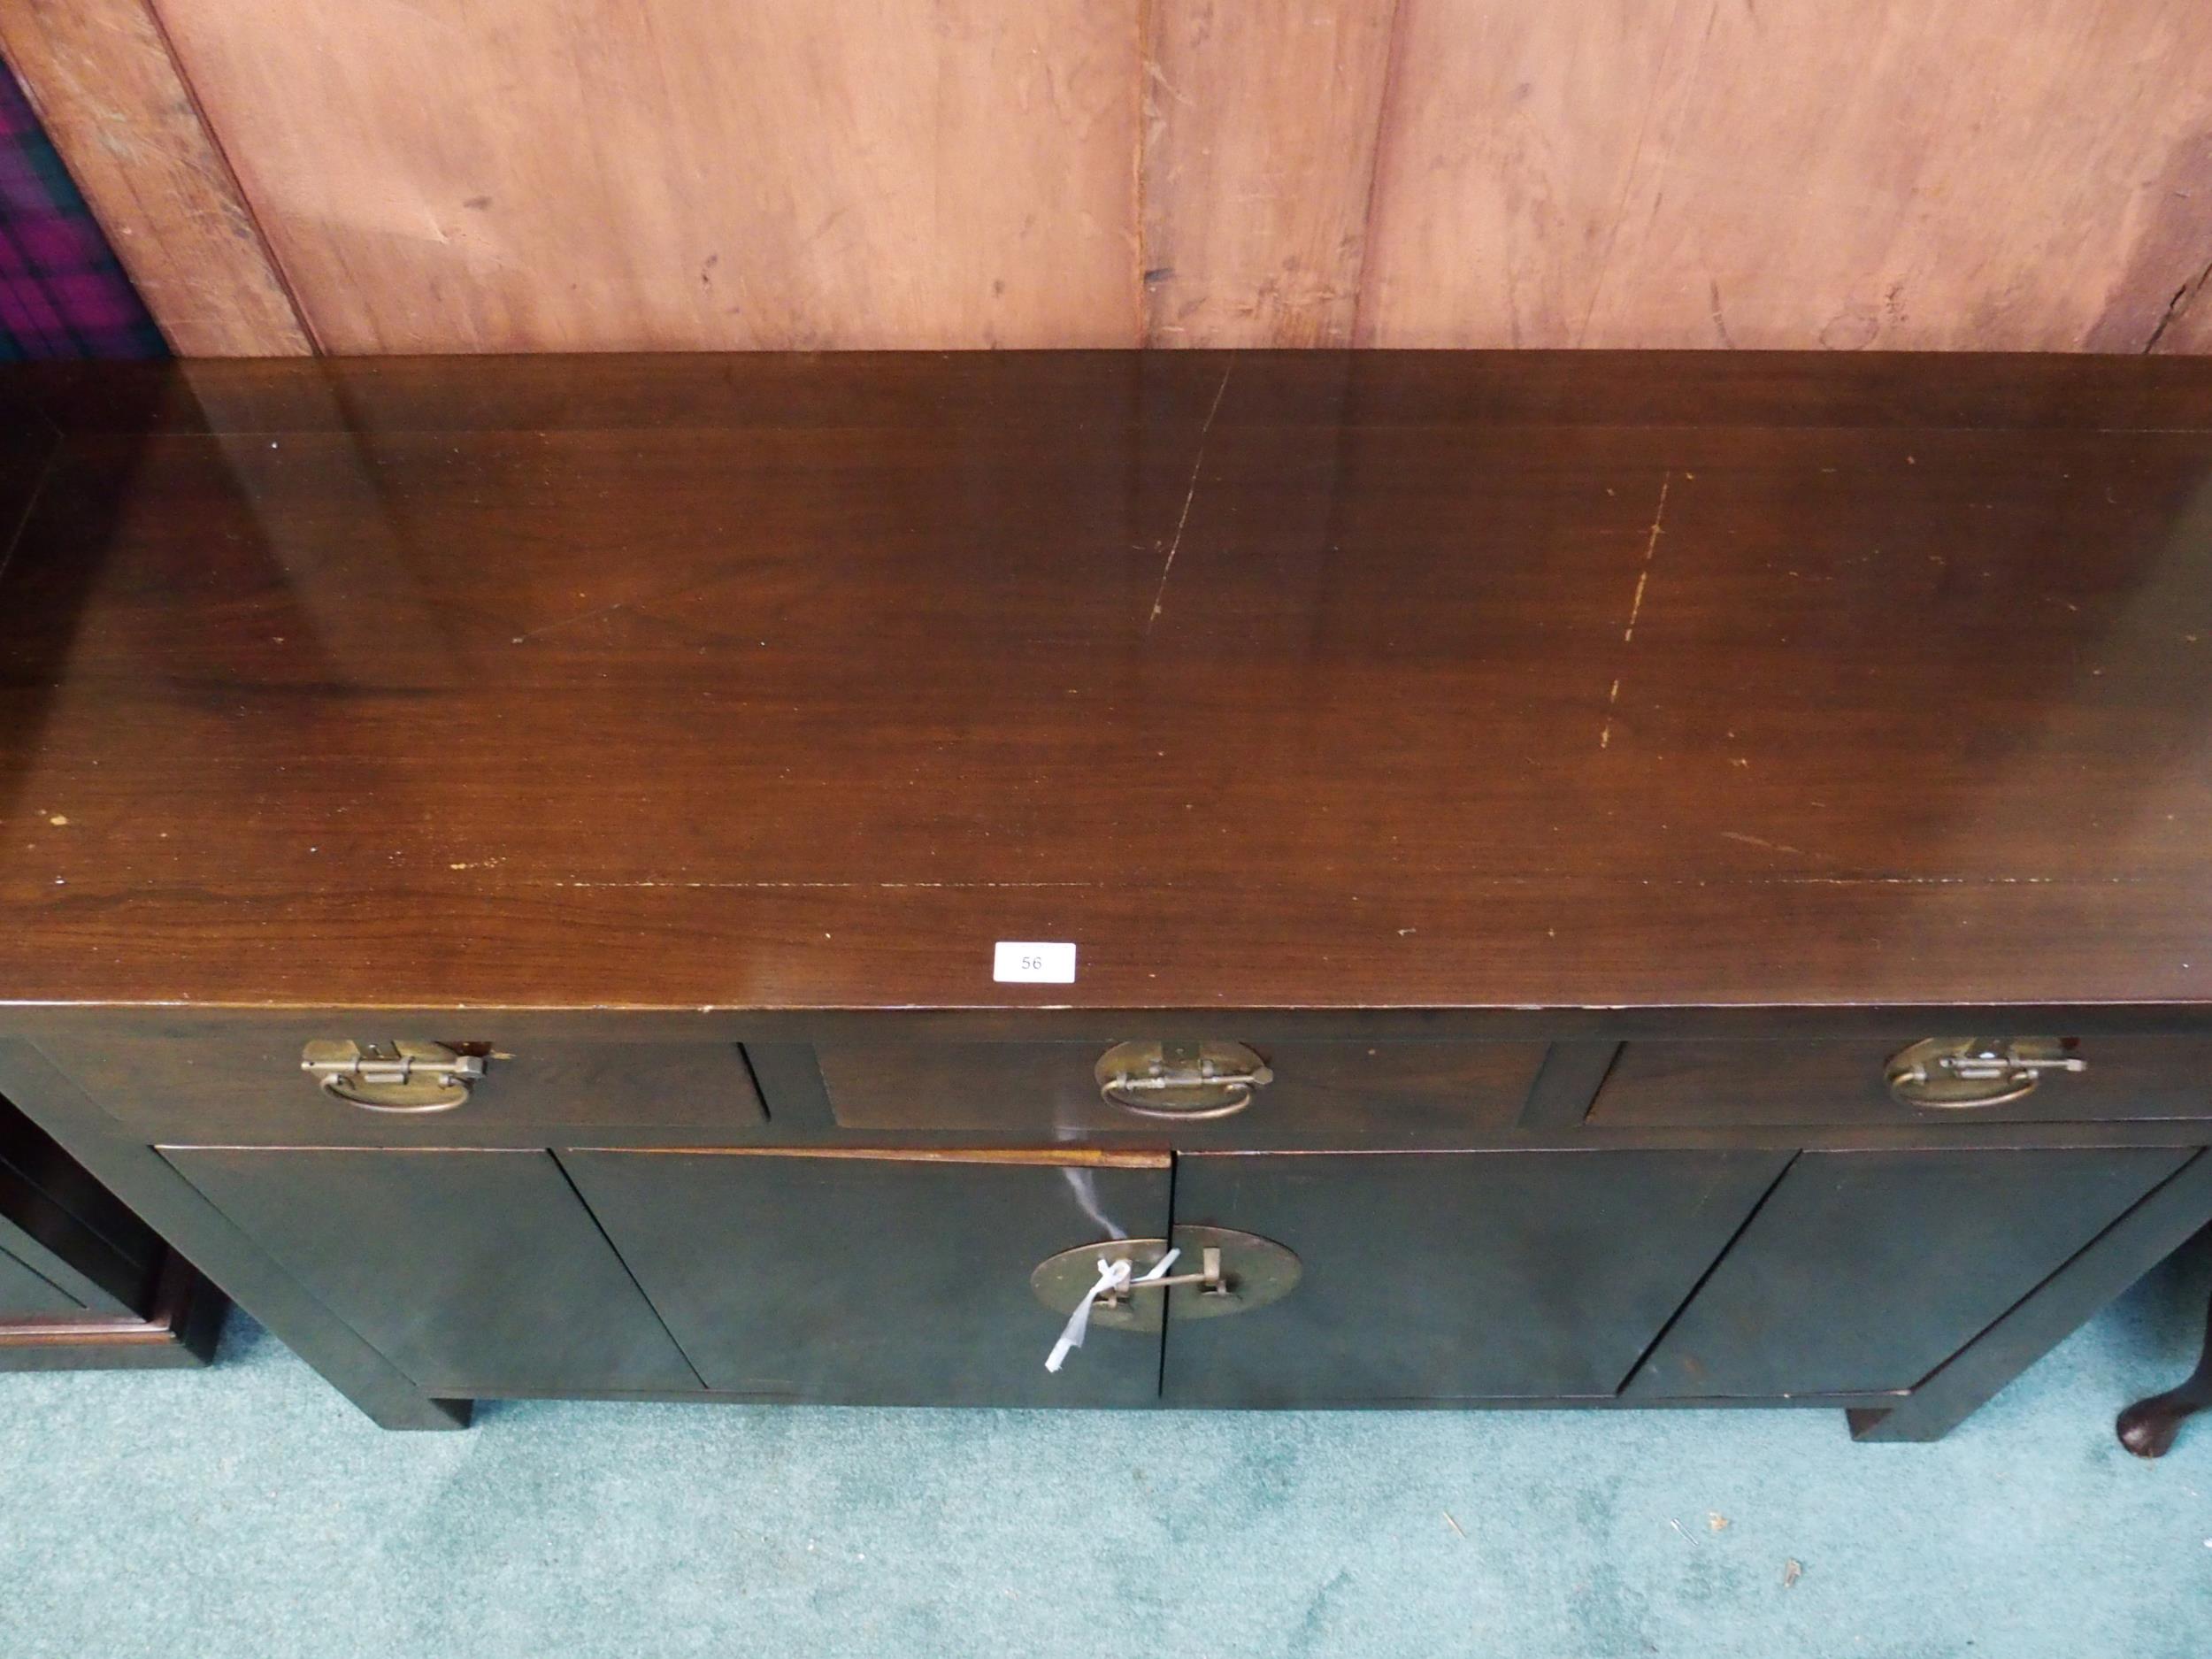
903	1276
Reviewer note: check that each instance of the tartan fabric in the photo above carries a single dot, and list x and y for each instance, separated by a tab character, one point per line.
62	294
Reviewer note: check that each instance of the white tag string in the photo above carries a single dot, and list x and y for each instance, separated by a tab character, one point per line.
1112	1276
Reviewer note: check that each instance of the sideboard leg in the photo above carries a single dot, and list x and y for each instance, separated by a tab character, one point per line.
431	1414
2147	1427
2159	1225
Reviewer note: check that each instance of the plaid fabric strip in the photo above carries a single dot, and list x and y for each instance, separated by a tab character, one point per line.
62	294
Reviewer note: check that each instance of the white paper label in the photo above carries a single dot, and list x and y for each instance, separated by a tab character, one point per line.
1028	961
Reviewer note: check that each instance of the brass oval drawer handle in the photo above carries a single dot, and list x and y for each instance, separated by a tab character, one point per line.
1188	1082
1960	1073
393	1077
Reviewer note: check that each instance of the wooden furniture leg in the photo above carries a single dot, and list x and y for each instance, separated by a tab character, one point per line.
2148	1428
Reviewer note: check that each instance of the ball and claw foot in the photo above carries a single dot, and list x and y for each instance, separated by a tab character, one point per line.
2147	1427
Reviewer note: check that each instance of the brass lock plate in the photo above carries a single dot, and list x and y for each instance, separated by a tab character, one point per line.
1253	1272
1959	1073
1192	1081
393	1077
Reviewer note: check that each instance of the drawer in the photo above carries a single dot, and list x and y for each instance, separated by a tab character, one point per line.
1399	1090
248	1087
1755	1084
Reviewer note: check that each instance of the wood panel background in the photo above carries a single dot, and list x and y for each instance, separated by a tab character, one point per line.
108	90
495	175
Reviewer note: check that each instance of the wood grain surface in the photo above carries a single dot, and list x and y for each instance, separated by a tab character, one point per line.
1987	175
1356	682
1260	123
688	174
108	90
685	173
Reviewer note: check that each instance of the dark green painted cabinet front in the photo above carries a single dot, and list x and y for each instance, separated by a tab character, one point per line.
1468	1276
473	1272
876	1279
1865	1271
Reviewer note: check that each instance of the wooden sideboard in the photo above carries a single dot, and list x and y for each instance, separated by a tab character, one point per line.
751	878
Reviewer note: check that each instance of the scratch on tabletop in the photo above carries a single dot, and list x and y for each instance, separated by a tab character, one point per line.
1755	840
1197	465
570	622
1636	605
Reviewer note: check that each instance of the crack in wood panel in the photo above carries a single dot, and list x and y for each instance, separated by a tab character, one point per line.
2176	310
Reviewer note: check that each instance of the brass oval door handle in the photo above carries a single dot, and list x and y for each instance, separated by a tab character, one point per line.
393	1077
1190	1082
1961	1074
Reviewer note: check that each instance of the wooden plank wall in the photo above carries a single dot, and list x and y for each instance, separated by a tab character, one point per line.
107	90
493	175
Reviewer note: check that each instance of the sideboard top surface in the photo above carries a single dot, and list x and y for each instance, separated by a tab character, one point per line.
1415	681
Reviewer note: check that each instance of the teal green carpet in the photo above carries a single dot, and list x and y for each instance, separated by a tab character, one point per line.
248	1511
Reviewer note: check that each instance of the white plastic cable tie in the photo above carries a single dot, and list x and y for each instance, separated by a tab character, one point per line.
1112	1276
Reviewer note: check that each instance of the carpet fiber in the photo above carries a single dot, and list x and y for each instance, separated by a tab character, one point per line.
247	1510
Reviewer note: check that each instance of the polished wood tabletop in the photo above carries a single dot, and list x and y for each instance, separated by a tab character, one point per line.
1403	681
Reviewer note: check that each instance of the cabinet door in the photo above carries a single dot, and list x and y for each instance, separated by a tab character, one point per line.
474	1272
1865	1271
879	1279
1476	1275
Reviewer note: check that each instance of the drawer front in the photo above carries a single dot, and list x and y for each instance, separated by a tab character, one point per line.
1396	1091
248	1087
1775	1084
